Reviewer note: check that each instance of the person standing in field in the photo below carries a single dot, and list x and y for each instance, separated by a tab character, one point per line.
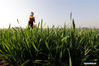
31	20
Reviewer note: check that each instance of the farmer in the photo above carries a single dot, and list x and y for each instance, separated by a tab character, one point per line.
31	20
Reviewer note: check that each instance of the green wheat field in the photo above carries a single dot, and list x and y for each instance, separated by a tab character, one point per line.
49	46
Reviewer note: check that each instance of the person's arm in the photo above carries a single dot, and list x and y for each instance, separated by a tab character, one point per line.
29	19
34	19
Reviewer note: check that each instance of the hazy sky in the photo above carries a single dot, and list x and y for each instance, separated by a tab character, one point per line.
53	12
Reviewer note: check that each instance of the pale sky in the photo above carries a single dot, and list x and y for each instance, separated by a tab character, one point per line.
53	12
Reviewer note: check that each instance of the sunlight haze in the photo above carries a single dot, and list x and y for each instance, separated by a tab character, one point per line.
53	12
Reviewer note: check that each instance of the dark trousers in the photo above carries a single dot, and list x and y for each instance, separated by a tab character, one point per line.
31	25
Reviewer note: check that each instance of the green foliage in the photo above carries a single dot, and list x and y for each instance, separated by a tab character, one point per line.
49	46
